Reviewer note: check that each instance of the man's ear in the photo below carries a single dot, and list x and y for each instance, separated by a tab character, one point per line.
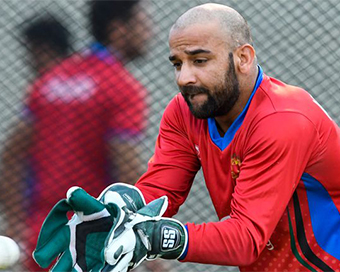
244	58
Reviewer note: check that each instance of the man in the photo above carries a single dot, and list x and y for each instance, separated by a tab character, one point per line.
269	154
83	119
48	44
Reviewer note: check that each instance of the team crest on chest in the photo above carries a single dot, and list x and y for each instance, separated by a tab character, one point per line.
235	165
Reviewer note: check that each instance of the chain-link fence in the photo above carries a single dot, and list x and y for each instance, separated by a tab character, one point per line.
296	41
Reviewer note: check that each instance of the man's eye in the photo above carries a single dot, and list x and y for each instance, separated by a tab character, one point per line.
200	61
176	64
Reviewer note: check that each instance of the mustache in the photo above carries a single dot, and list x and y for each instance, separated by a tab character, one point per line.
193	90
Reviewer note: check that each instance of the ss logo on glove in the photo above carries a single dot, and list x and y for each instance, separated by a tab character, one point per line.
170	238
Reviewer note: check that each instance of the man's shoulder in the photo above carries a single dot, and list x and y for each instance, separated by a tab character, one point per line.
286	104
275	96
81	64
87	61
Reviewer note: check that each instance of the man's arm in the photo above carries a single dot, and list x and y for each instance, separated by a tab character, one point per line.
13	169
277	153
173	167
276	156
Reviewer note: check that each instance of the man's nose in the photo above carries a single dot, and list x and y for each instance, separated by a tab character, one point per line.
186	76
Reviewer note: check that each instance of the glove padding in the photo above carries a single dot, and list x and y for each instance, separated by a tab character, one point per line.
144	235
125	195
79	241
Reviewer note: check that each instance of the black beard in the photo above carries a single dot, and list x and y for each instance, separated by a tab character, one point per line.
221	100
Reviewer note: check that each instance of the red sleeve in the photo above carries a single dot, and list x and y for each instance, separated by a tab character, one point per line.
276	154
174	165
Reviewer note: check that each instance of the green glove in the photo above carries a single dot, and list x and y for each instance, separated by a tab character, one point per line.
124	195
80	241
144	235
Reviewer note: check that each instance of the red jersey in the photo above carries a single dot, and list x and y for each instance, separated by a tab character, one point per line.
274	180
76	108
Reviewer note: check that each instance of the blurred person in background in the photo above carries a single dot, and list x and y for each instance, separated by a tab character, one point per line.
48	43
83	121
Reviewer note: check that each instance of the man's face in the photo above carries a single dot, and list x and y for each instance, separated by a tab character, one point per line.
139	31
204	69
41	56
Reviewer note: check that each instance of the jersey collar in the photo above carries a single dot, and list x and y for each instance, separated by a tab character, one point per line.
223	142
104	53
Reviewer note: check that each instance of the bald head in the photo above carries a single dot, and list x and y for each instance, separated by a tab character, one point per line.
234	27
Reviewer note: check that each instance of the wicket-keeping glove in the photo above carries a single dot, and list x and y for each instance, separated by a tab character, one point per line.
144	235
80	241
124	195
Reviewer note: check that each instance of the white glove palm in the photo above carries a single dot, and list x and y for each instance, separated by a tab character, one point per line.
143	235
